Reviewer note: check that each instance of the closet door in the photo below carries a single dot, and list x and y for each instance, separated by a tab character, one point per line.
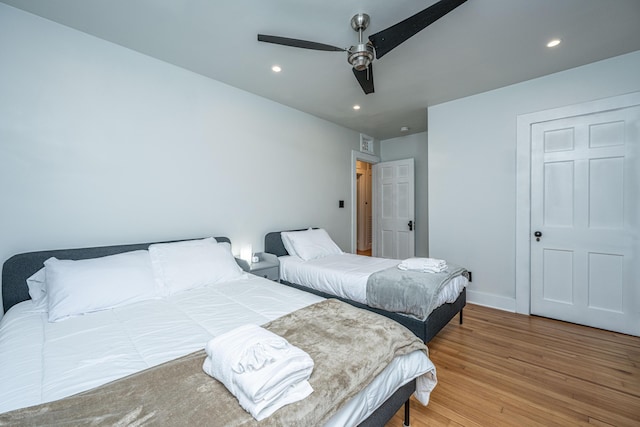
585	179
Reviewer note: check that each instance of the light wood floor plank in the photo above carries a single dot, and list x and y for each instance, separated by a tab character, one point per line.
506	369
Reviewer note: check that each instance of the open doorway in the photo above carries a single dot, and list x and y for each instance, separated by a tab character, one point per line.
364	215
371	160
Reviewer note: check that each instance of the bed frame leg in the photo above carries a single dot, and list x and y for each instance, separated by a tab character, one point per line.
406	413
461	316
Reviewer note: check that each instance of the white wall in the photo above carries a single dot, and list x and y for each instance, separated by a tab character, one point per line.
102	145
472	168
413	146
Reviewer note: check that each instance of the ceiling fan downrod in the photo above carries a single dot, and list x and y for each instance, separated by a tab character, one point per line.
360	55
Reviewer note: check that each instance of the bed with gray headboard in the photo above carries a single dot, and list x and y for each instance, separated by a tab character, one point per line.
17	269
425	329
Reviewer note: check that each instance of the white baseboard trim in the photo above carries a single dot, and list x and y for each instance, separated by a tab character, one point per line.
491	300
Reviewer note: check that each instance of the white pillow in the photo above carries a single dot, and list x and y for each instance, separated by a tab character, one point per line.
180	266
310	244
37	289
286	241
84	286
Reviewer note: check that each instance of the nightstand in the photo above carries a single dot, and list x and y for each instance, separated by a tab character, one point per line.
268	266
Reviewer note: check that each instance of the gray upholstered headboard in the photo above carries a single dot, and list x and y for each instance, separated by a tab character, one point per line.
273	242
17	269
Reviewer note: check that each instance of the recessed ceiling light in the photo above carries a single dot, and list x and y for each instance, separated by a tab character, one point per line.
276	69
356	107
554	43
404	129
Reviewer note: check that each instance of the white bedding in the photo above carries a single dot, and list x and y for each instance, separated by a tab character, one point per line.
42	361
346	275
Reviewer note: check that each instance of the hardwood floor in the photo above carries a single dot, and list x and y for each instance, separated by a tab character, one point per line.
506	369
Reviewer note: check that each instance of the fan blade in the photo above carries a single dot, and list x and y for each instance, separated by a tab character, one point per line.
387	40
304	44
365	78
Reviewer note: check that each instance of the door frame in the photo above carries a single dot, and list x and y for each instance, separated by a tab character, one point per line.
369	158
523	181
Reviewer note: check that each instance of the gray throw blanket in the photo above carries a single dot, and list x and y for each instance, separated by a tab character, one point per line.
407	291
349	346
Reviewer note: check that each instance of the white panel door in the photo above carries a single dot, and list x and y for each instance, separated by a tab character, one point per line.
585	210
395	206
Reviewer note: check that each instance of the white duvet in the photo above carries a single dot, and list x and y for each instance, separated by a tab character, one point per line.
42	361
345	275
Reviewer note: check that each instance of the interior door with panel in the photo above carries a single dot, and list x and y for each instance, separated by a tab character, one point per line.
394	184
585	211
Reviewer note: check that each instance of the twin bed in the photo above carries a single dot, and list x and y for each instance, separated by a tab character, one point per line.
79	362
326	271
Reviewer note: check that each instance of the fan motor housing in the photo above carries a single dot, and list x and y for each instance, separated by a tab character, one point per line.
360	56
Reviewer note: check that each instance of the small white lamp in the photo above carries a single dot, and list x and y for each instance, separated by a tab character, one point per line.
246	253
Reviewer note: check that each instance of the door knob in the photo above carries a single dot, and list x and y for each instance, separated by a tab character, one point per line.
538	235
410	224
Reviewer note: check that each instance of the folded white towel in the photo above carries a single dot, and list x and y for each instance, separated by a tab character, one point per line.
266	407
260	368
427	265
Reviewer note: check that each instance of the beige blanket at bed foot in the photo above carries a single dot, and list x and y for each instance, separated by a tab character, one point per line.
349	346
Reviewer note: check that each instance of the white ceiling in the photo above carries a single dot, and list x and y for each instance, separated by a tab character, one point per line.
482	45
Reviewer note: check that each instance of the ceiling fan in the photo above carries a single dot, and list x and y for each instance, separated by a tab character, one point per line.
379	44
